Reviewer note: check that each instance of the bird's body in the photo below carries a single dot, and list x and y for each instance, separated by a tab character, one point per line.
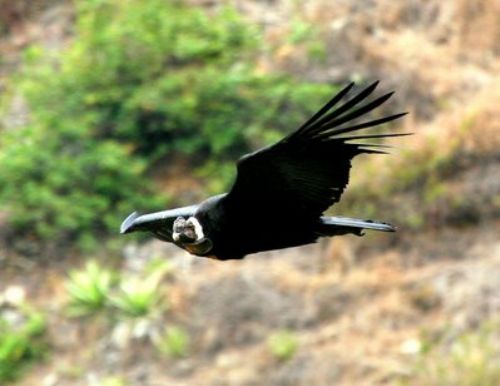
221	219
280	192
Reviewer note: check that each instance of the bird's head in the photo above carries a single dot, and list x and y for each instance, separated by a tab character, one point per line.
184	231
188	234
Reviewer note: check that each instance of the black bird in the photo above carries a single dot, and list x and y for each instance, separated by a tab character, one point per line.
281	191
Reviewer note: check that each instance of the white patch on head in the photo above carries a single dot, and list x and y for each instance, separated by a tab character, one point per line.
176	236
198	229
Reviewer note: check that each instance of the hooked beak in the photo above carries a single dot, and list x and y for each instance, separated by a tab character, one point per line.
128	225
135	222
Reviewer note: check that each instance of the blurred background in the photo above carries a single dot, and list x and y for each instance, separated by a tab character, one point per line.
109	106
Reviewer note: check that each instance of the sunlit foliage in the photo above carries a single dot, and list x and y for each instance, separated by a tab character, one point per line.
283	345
89	289
174	342
139	81
20	344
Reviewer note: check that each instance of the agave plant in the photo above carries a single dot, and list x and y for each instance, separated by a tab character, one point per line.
89	289
138	297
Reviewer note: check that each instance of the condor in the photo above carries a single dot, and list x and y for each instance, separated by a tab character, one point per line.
281	191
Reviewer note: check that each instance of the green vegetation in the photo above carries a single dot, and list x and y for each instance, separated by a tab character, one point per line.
20	344
89	289
283	345
96	289
140	81
102	99
158	267
471	359
140	295
174	342
113	381
137	297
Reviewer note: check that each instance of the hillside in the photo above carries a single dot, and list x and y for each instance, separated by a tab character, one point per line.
416	308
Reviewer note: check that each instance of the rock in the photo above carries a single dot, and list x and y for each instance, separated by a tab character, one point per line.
14	295
410	347
50	379
121	335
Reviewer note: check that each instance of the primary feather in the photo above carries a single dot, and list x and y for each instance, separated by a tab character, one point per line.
308	170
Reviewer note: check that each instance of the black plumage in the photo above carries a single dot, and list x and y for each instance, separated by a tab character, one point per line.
282	190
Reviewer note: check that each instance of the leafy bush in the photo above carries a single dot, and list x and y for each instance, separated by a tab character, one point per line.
66	190
283	345
95	289
137	297
140	81
140	295
89	289
20	345
175	342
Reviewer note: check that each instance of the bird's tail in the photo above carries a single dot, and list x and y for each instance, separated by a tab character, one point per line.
332	226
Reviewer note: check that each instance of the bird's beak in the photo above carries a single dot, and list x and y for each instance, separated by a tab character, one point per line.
135	222
129	223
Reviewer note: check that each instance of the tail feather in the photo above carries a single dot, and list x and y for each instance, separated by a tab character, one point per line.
331	226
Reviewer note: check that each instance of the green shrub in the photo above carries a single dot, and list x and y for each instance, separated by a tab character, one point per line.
166	77
66	190
140	81
89	289
283	345
20	345
95	289
137	297
174	342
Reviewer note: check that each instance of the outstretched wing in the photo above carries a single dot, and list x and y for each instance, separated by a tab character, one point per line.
307	171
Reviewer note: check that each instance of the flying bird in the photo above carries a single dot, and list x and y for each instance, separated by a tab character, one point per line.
281	191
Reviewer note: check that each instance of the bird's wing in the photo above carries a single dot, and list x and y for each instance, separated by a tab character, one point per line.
158	223
307	171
